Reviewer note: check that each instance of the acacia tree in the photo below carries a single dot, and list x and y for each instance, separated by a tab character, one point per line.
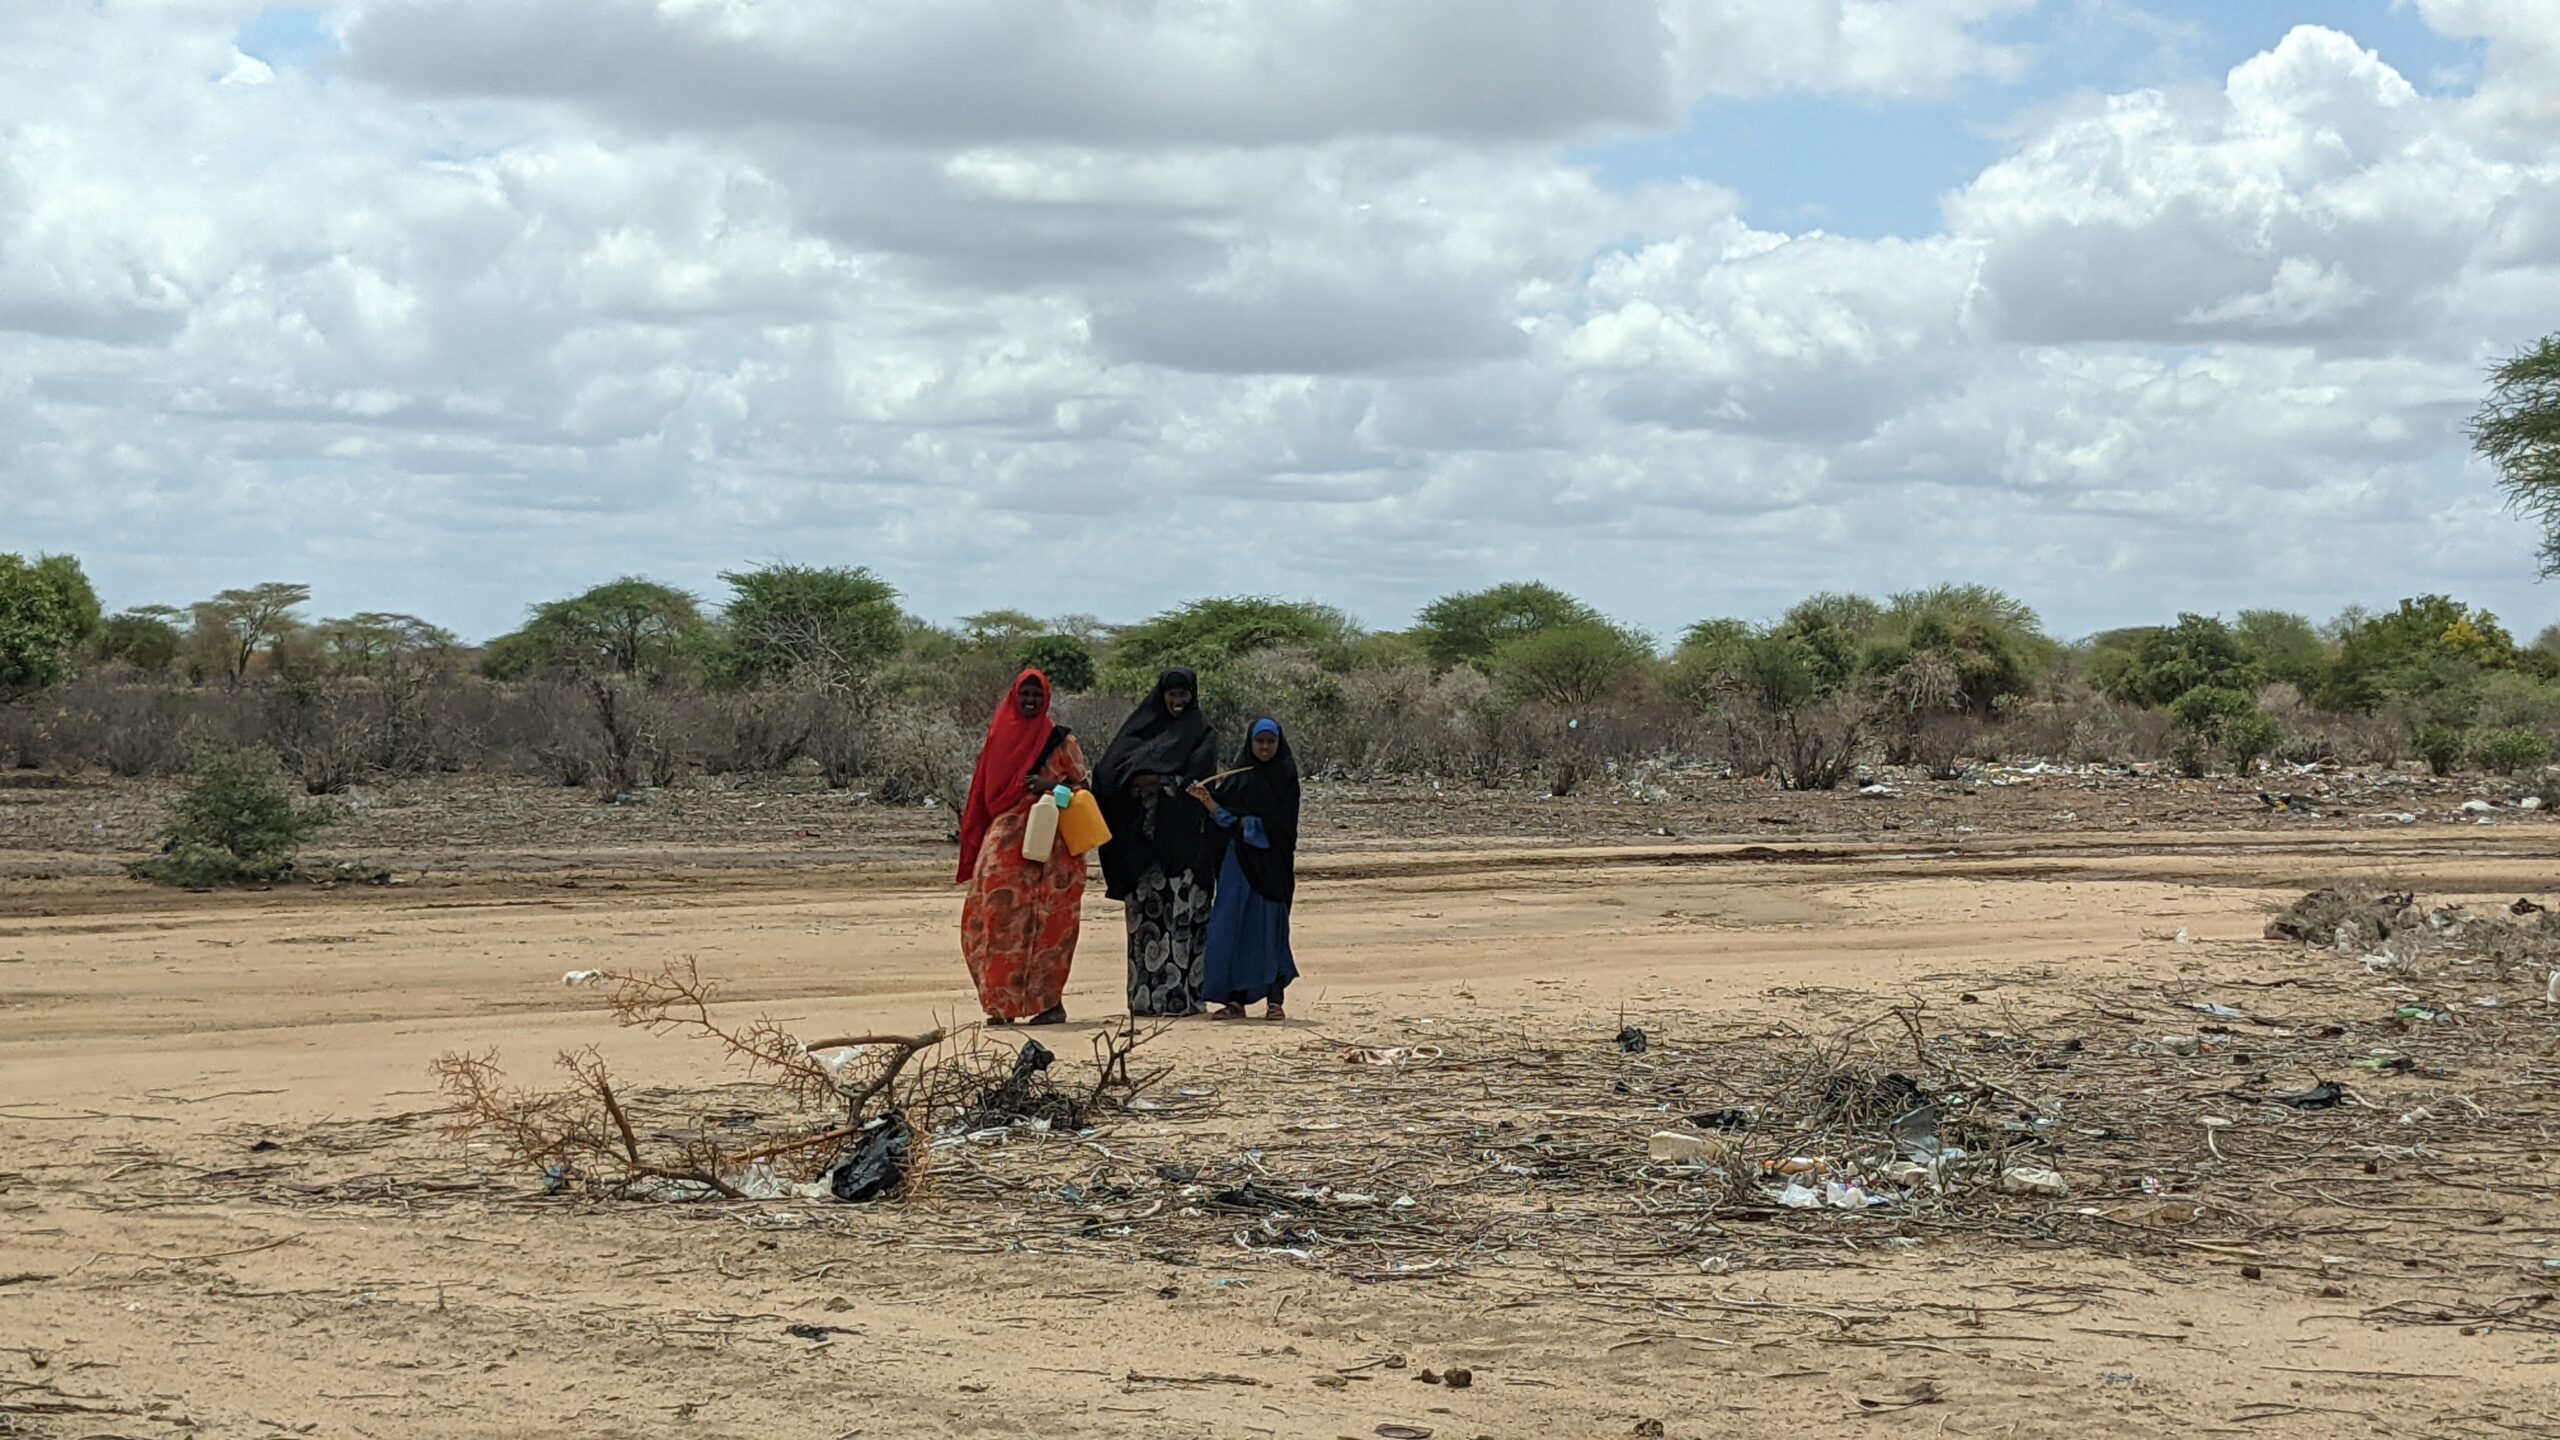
835	625
629	627
1468	628
378	644
2517	430
235	623
1570	665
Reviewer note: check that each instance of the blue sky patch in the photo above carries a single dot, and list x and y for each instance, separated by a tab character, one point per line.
285	35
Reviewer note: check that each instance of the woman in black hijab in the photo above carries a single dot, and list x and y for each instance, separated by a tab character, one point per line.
1161	860
1256	812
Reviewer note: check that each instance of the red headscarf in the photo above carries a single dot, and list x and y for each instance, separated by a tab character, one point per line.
1015	743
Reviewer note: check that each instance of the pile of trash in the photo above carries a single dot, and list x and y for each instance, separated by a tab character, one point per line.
1891	1141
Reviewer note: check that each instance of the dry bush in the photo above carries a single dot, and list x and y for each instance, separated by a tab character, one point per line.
329	735
1941	743
2348	915
26	740
841	1101
756	732
139	730
917	753
1813	746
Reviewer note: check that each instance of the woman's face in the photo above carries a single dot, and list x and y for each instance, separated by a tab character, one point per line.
1029	698
1176	701
1265	745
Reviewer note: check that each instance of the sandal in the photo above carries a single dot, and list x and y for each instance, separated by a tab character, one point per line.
1228	1012
1054	1015
1273	1013
998	1021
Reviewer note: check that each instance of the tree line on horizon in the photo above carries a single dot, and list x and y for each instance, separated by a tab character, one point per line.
633	682
1837	678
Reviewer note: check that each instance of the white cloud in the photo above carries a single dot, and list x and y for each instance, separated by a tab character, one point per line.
1211	294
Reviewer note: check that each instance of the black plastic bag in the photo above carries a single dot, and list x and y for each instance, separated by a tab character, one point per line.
877	1166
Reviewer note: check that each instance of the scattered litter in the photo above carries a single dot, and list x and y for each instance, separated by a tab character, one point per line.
2530	802
2033	1180
2218	1012
2477	807
1723	1120
816	1334
1631	1041
2524	907
583	977
1878	791
878	1167
1397	1058
2319	1097
1679	1149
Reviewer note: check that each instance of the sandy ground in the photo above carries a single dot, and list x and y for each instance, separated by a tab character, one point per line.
176	1070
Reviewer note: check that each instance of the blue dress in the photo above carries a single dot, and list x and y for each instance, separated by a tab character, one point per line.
1249	959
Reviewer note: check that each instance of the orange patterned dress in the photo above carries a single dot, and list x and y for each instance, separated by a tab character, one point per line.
1018	926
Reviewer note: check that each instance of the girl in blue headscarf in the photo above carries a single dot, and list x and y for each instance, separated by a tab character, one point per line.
1256	813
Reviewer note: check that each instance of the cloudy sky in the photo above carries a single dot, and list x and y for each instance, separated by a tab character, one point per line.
1689	306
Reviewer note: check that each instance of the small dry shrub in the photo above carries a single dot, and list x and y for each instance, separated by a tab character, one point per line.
2359	914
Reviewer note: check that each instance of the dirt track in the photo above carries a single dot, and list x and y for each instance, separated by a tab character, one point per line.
147	1042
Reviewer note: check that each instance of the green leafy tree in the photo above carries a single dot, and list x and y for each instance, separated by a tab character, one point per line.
79	597
235	824
630	627
1466	629
1711	653
836	625
2431	649
2283	647
1833	634
47	612
1973	646
2199	652
234	625
1066	660
1210	635
145	637
1572	665
2517	430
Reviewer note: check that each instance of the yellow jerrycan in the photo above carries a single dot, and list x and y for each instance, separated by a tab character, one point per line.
1081	825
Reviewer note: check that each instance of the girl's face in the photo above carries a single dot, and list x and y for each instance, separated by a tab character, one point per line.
1028	699
1176	701
1265	745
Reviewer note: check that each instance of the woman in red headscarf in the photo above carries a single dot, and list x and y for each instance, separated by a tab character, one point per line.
1018	926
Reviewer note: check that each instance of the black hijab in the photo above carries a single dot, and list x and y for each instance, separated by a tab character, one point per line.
1181	748
1267	791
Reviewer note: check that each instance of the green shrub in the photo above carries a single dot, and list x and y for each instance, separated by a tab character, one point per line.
2441	746
1066	660
2211	719
2509	752
236	824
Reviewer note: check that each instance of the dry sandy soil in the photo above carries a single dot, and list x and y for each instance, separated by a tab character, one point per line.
231	1207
